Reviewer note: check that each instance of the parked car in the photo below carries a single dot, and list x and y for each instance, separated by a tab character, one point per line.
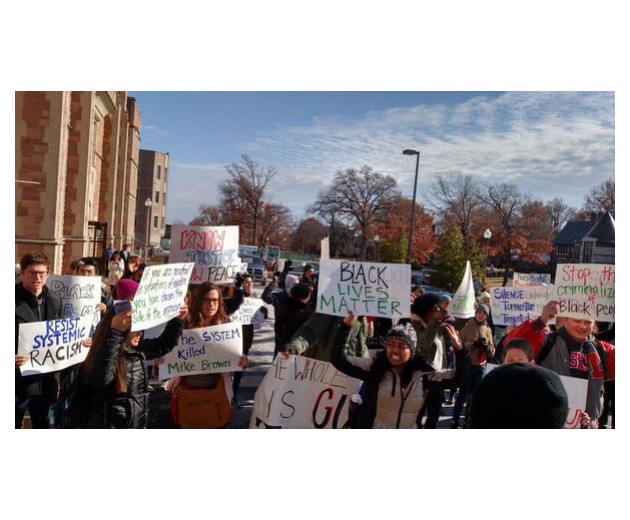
297	268
158	252
256	268
436	290
418	279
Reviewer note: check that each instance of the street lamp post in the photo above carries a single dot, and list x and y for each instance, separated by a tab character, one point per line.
413	206
147	204
487	234
377	241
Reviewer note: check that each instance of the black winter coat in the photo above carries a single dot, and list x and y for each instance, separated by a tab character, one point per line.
111	409
26	311
291	314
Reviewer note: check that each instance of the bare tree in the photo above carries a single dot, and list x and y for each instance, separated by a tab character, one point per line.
601	198
359	196
308	235
456	197
276	224
560	213
243	194
208	216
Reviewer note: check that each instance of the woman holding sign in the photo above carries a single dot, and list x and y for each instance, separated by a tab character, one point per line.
204	400
115	368
393	392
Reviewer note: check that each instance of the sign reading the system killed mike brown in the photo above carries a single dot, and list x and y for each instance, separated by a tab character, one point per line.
301	392
586	291
161	293
515	305
213	250
207	350
364	288
53	345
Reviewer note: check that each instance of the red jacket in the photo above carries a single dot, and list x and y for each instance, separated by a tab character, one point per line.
533	331
610	360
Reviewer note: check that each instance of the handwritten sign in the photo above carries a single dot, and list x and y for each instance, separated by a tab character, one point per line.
205	351
366	289
576	392
79	294
586	291
515	305
250	312
528	279
213	250
300	392
161	293
463	302
53	345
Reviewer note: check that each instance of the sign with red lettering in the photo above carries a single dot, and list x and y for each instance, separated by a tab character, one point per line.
300	392
586	291
213	250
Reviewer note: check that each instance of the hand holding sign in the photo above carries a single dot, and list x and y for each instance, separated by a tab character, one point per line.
550	311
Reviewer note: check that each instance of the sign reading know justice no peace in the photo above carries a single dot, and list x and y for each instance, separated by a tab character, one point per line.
364	288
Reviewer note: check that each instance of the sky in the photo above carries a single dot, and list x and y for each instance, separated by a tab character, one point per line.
550	144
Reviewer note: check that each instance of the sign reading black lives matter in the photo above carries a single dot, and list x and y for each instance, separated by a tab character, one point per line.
364	288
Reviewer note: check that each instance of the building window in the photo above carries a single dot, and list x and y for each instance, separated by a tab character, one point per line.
155	222
162	221
157	197
164	199
587	251
158	171
165	173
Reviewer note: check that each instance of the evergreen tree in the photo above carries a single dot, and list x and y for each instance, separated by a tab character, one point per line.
450	261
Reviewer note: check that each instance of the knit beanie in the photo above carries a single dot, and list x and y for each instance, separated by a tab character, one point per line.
126	289
423	304
483	308
404	332
520	395
300	291
307	267
483	295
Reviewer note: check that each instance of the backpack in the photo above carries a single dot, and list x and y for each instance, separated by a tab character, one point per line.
72	407
202	407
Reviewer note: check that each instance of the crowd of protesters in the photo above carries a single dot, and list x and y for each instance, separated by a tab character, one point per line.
409	369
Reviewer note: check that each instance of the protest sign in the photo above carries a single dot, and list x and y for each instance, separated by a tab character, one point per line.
325	249
463	303
515	305
576	392
366	289
300	392
249	312
586	291
213	250
53	345
79	294
205	351
528	279
161	293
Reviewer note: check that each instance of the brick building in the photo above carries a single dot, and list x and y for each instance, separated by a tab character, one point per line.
152	186
76	166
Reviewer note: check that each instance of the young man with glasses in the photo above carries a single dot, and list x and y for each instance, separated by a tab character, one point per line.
33	303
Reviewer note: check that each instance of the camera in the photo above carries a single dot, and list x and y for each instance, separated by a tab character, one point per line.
481	343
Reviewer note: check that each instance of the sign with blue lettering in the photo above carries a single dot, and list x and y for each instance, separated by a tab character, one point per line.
53	345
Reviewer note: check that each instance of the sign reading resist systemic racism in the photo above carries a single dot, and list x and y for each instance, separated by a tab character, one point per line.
586	291
161	293
53	345
300	392
205	351
515	305
213	250
576	392
366	289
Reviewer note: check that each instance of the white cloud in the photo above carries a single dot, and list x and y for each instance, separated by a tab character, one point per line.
551	144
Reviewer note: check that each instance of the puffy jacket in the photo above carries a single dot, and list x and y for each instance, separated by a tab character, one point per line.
291	314
26	311
111	409
385	403
471	333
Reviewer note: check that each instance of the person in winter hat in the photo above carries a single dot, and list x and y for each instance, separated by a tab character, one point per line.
393	391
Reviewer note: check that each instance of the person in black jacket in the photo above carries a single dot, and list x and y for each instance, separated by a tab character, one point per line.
33	303
115	368
292	312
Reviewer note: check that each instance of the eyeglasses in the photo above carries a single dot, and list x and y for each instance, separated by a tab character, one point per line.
398	346
40	274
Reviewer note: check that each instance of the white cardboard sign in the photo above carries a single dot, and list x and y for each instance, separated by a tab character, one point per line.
527	279
364	288
586	291
517	304
79	294
300	392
